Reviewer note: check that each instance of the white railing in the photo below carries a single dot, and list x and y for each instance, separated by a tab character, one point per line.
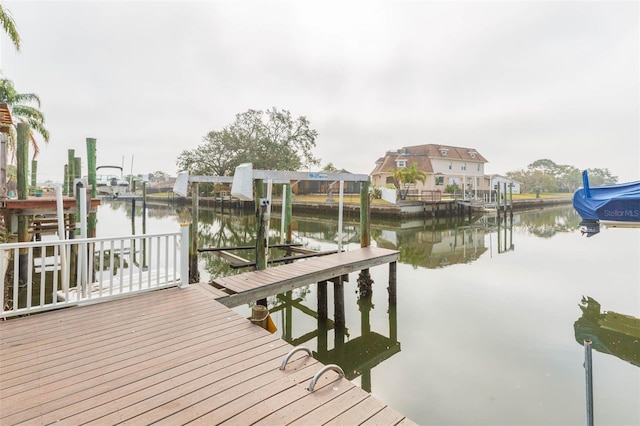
54	274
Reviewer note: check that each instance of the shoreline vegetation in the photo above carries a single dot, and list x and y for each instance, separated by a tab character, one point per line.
403	210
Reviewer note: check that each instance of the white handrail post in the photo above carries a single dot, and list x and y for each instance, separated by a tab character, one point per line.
61	236
340	208
184	255
82	249
284	202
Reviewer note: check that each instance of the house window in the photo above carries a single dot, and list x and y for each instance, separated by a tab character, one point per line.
439	180
477	181
464	166
401	163
444	152
450	166
478	166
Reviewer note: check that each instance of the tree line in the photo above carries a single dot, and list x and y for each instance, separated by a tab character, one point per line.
546	176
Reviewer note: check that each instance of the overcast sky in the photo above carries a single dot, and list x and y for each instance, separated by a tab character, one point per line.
517	81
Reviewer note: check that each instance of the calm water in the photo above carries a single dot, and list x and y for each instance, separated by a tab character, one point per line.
488	321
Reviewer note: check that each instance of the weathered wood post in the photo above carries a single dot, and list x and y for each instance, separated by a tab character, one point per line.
261	237
288	213
365	215
71	153
77	174
92	219
22	159
504	187
91	174
498	200
194	273
259	314
511	201
364	279
73	219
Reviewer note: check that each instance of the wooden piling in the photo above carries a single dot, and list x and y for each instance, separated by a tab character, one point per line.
71	153
259	315
365	215
22	154
498	201
261	242
504	187
92	181
22	151
261	231
511	202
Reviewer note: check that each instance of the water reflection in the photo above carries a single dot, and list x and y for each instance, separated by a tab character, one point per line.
356	356
610	332
422	243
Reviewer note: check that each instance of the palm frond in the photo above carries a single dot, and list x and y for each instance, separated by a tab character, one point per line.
9	26
27	97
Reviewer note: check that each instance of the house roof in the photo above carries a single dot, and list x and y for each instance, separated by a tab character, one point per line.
422	155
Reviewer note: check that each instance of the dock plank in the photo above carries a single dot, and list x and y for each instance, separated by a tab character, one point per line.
331	409
254	285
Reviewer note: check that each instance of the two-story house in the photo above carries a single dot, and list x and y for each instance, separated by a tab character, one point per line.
444	165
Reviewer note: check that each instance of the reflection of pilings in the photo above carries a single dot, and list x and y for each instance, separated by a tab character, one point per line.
393	266
338	302
393	323
338	343
323	332
322	301
365	305
364	283
588	381
288	314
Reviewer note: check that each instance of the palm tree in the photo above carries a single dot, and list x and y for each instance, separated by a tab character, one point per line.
20	110
9	26
408	176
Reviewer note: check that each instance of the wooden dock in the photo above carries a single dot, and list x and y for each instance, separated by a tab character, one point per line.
171	356
248	287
